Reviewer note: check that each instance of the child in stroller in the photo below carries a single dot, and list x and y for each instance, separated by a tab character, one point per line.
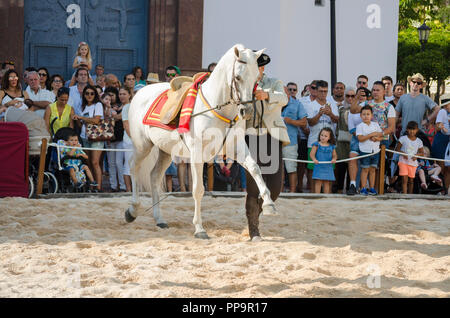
428	173
73	162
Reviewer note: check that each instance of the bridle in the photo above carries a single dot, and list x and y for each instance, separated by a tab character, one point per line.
235	98
234	85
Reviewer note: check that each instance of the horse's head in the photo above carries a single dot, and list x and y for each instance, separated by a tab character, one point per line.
243	79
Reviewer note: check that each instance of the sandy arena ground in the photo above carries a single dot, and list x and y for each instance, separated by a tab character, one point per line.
316	248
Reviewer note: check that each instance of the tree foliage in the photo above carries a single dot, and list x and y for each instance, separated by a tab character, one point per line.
434	62
417	11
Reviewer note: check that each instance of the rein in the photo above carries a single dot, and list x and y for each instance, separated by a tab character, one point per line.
232	101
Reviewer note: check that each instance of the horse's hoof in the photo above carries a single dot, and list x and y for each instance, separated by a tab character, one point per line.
128	217
162	225
256	239
269	210
202	235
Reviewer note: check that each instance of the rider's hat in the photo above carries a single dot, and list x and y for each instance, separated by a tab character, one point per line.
263	59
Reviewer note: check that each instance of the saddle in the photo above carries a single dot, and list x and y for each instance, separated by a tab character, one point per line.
179	89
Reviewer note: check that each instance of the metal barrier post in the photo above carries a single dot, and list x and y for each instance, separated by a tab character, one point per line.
41	166
382	169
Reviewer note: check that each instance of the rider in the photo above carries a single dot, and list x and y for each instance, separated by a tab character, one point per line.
266	130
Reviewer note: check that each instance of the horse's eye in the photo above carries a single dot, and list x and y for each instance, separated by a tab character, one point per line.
238	77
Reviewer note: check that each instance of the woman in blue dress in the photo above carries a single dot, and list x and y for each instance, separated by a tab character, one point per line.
324	150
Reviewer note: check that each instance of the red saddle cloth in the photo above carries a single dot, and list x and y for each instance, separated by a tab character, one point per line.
153	115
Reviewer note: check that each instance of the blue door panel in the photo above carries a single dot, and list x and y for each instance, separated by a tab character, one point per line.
115	30
58	55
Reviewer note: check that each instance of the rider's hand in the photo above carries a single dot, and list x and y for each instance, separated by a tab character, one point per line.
261	95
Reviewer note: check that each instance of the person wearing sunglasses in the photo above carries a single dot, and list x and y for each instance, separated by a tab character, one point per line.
412	106
302	135
44	78
11	93
172	71
294	116
56	82
91	113
312	94
362	81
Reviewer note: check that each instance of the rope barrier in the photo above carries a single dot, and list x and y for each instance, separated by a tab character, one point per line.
421	157
85	148
337	161
368	155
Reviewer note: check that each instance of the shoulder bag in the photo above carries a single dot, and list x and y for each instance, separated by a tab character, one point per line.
103	131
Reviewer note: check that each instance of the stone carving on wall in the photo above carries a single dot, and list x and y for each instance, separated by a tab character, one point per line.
92	35
123	17
94	3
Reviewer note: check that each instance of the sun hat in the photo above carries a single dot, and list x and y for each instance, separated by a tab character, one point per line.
445	100
416	76
152	78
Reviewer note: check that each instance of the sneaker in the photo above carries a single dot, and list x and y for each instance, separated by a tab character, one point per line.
351	190
79	185
364	191
94	184
372	191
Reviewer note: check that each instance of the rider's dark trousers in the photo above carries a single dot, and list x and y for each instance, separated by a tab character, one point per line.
253	204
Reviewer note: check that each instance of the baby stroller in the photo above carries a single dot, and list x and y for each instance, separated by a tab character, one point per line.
58	165
433	186
37	131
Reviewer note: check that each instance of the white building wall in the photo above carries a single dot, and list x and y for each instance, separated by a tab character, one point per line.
296	34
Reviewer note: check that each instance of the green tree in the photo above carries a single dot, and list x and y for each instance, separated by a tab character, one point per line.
433	63
413	11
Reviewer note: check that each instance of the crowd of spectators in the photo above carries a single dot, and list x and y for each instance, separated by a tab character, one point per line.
323	123
360	119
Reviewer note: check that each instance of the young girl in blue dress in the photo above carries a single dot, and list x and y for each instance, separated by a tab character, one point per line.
324	150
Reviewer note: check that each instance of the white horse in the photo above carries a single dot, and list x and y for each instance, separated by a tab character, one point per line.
231	82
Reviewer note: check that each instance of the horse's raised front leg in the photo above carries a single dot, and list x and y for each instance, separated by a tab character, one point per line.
268	206
197	193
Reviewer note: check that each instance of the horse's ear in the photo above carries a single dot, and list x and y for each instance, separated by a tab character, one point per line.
237	52
258	54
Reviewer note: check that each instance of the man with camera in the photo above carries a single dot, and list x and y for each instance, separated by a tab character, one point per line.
383	113
320	114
